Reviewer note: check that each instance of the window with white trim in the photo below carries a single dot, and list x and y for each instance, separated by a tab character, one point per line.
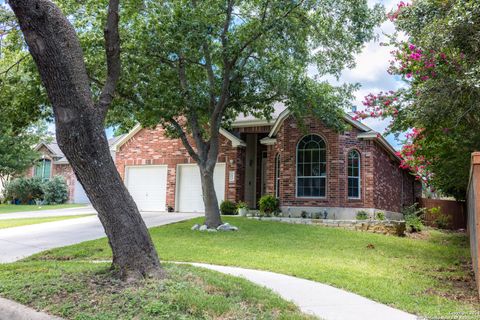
43	169
277	175
353	171
311	167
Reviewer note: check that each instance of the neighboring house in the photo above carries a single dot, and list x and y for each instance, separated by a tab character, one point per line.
54	163
314	169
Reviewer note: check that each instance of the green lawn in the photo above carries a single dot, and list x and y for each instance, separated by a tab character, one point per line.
86	291
426	277
11	208
10	223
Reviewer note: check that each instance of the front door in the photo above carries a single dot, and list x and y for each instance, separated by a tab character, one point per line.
251	170
264	173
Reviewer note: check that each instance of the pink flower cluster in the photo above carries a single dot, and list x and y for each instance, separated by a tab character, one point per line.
416	64
376	106
412	159
394	14
386	104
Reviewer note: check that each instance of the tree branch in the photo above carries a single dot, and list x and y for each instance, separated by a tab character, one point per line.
14	65
112	49
211	75
184	139
226	25
215	118
266	29
192	117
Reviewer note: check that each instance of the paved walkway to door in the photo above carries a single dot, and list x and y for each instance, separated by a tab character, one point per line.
315	298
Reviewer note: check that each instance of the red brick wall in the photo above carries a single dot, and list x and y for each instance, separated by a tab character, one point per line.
257	129
394	187
66	171
153	147
381	179
338	147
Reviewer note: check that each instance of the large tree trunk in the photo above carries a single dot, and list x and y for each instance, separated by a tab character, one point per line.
54	45
212	212
85	145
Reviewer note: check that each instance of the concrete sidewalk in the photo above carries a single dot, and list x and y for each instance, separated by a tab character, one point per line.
315	298
11	310
20	242
48	213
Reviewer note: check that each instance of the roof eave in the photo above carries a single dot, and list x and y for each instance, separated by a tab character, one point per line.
373	135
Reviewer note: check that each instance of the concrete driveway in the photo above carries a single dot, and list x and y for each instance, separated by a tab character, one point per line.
20	242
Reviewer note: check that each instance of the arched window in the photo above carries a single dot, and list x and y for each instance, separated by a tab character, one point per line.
43	169
311	167
277	175
353	172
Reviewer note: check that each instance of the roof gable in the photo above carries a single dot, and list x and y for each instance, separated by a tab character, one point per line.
284	115
236	142
367	132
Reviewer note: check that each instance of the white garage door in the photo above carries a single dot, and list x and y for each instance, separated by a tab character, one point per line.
79	195
148	186
189	187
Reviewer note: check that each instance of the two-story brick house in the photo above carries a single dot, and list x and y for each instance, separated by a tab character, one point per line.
314	169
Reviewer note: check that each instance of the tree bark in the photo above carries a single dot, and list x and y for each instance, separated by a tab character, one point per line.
212	212
206	159
55	47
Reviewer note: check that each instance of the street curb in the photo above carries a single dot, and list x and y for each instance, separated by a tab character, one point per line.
10	310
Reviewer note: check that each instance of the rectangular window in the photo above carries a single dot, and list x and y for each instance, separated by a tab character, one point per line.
277	176
353	171
43	169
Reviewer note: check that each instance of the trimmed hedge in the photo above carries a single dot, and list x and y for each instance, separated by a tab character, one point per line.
228	208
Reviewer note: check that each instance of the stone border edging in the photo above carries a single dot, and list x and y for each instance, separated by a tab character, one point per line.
11	310
386	227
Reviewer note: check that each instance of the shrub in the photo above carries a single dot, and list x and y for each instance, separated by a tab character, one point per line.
55	191
380	215
362	215
242	205
228	208
269	205
317	215
413	218
442	221
24	190
304	214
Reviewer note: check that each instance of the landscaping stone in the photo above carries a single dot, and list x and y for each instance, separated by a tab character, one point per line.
196	227
211	230
226	227
203	228
392	227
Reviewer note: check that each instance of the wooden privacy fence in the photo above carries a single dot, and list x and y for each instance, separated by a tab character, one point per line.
455	210
473	207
